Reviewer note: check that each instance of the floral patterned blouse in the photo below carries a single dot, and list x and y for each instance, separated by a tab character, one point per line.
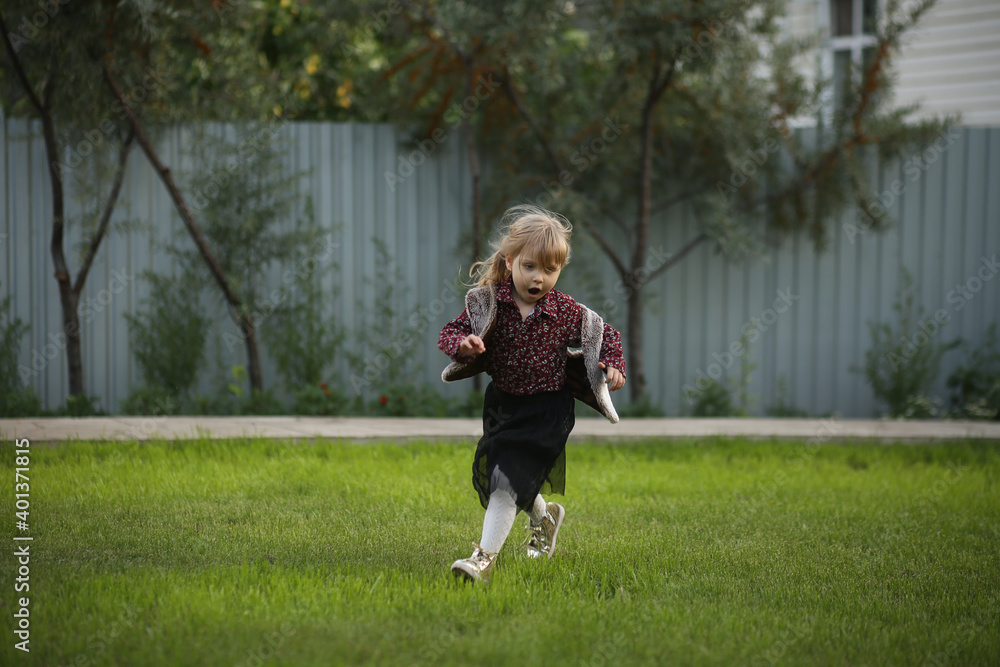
529	356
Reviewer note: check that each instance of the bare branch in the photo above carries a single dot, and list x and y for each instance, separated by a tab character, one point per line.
109	207
672	201
692	244
606	246
175	194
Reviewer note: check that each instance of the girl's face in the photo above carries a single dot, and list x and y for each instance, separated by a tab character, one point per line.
532	280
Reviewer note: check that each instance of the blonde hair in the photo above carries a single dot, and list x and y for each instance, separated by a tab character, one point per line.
525	228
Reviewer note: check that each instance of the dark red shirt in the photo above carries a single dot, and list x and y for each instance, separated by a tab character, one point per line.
529	356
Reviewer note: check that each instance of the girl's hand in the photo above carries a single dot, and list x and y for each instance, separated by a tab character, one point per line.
472	346
615	378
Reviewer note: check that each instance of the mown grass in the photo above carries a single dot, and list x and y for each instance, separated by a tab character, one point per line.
725	552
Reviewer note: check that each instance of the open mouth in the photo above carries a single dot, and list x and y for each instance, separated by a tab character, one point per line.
534	291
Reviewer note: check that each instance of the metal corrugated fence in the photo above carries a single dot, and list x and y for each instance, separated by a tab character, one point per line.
947	207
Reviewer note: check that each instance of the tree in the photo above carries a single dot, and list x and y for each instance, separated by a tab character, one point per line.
192	42
248	208
45	56
665	106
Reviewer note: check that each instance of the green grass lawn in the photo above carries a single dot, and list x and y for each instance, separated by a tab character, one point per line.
726	552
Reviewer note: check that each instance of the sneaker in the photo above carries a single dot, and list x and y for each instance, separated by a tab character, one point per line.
476	567
542	538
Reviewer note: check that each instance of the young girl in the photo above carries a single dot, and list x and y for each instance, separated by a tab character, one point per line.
518	329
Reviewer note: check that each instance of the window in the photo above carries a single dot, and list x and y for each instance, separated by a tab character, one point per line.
851	45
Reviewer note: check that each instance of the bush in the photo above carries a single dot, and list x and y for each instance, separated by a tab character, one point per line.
261	403
16	400
382	359
168	342
406	399
305	344
976	385
470	405
319	400
901	364
714	400
22	402
781	408
151	400
81	406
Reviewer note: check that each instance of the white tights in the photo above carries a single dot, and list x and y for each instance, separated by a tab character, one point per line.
500	513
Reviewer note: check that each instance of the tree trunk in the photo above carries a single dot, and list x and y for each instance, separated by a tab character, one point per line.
643	196
253	353
234	301
657	85
67	298
470	147
636	361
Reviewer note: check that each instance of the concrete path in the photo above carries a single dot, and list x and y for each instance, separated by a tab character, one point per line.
173	428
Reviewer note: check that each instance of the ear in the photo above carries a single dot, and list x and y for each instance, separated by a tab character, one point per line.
510	262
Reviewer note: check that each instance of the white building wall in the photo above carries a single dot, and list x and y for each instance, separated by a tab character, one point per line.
950	62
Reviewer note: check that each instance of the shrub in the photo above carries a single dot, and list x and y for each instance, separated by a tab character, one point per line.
715	400
151	400
976	385
319	400
781	408
644	407
902	363
81	406
16	400
406	399
382	359
304	345
470	405
168	342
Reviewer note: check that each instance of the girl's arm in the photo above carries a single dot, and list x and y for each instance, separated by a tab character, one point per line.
611	344
453	334
611	349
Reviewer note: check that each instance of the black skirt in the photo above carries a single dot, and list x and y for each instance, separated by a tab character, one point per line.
525	437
